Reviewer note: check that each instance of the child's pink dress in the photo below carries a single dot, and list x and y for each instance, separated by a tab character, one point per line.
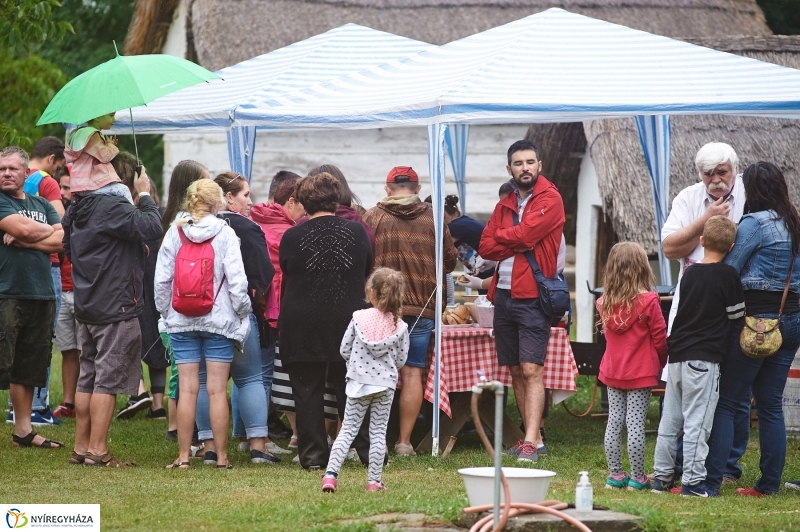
91	157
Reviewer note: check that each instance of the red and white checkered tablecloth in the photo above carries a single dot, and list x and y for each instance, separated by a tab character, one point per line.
465	351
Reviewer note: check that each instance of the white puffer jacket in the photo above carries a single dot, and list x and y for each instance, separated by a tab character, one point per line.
230	315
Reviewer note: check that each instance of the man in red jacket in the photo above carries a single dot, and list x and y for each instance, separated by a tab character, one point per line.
521	328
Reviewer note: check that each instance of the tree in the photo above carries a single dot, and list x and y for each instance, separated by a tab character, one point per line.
29	82
783	16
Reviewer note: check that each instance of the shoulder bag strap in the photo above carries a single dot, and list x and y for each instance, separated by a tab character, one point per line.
786	288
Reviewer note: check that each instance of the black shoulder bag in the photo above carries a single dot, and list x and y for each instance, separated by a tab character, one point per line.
553	292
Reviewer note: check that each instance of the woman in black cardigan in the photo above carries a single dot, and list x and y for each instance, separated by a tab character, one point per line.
324	262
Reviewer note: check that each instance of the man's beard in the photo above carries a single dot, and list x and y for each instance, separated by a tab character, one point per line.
524	186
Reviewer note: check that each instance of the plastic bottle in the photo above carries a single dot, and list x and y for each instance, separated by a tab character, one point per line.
584	496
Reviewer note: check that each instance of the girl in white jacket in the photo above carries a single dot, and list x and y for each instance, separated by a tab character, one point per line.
210	337
375	346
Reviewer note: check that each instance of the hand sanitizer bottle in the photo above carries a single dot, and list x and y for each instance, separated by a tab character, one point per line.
583	494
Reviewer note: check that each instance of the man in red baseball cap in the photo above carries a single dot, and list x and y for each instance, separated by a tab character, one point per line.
405	241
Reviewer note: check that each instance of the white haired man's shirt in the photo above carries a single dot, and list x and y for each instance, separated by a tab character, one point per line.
689	205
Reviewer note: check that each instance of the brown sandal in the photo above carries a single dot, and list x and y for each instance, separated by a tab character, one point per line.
27	441
178	465
105	460
77	459
225	466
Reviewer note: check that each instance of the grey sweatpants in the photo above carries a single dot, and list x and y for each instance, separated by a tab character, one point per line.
689	404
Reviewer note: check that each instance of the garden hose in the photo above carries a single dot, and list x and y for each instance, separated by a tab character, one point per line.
588	410
510	509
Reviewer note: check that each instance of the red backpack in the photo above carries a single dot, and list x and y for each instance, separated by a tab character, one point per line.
193	284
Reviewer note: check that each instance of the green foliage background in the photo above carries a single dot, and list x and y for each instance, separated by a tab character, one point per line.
783	16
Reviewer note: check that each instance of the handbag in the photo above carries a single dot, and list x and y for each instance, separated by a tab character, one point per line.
761	337
553	291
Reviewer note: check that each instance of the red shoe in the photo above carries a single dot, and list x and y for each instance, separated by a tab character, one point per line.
329	483
750	492
63	411
676	490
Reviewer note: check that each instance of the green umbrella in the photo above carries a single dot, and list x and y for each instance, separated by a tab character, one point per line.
121	83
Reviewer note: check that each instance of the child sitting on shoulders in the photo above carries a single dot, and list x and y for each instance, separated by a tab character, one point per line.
710	296
90	154
375	346
636	350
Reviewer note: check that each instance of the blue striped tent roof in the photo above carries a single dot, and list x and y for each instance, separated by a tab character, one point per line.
209	106
552	66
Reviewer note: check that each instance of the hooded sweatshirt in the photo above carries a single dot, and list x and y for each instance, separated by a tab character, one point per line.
274	221
375	347
91	157
229	315
405	241
636	344
104	239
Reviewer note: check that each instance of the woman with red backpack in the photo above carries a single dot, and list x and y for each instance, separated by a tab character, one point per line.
201	293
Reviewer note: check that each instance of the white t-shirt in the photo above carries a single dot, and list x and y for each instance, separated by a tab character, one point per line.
506	267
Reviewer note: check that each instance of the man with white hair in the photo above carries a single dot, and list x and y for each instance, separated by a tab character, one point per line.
720	191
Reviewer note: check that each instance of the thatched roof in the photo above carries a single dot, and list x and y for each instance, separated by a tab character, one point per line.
149	26
622	172
225	32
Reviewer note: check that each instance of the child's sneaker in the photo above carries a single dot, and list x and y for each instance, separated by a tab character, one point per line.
330	482
698	490
617	481
639	484
63	411
663	485
376	486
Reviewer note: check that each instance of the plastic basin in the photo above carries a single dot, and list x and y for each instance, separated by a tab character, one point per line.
527	485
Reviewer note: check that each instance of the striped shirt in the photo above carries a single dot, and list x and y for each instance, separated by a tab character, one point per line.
506	267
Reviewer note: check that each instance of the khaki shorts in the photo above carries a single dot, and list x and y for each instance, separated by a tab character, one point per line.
110	358
26	339
67	333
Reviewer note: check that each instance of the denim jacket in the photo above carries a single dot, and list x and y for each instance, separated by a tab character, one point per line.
762	253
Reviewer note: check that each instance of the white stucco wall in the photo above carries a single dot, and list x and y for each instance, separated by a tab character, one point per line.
364	156
175	43
589	203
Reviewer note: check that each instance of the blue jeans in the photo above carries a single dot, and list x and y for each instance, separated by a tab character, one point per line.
268	371
246	373
767	377
419	339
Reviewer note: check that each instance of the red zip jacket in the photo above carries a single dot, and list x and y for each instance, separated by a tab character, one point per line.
636	349
540	228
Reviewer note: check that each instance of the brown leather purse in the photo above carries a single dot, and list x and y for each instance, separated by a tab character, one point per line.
761	337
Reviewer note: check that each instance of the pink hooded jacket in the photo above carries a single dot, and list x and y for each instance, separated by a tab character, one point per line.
91	162
274	221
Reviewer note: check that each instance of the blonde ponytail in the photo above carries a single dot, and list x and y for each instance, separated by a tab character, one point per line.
201	198
388	287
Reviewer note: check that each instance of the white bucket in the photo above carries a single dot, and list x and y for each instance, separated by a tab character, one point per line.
526	485
791	399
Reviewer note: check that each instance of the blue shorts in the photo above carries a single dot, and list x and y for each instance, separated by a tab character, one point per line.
419	339
192	346
521	330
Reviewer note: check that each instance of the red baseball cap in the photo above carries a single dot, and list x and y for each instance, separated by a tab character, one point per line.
402	174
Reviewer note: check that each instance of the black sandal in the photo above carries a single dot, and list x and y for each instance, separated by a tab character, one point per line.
27	441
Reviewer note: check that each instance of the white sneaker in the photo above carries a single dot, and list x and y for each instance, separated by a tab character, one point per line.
244	446
274	448
296	459
352	455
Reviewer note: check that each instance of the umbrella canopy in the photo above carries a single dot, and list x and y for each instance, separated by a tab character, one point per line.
121	83
552	66
331	54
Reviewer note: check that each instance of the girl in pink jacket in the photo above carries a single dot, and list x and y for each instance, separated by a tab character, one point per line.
90	154
636	350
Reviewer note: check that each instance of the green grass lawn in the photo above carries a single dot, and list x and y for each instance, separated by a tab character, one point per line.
285	497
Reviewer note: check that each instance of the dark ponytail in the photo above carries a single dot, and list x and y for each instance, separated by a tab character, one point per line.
450	203
765	189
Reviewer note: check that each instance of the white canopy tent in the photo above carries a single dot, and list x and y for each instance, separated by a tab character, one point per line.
554	66
209	107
